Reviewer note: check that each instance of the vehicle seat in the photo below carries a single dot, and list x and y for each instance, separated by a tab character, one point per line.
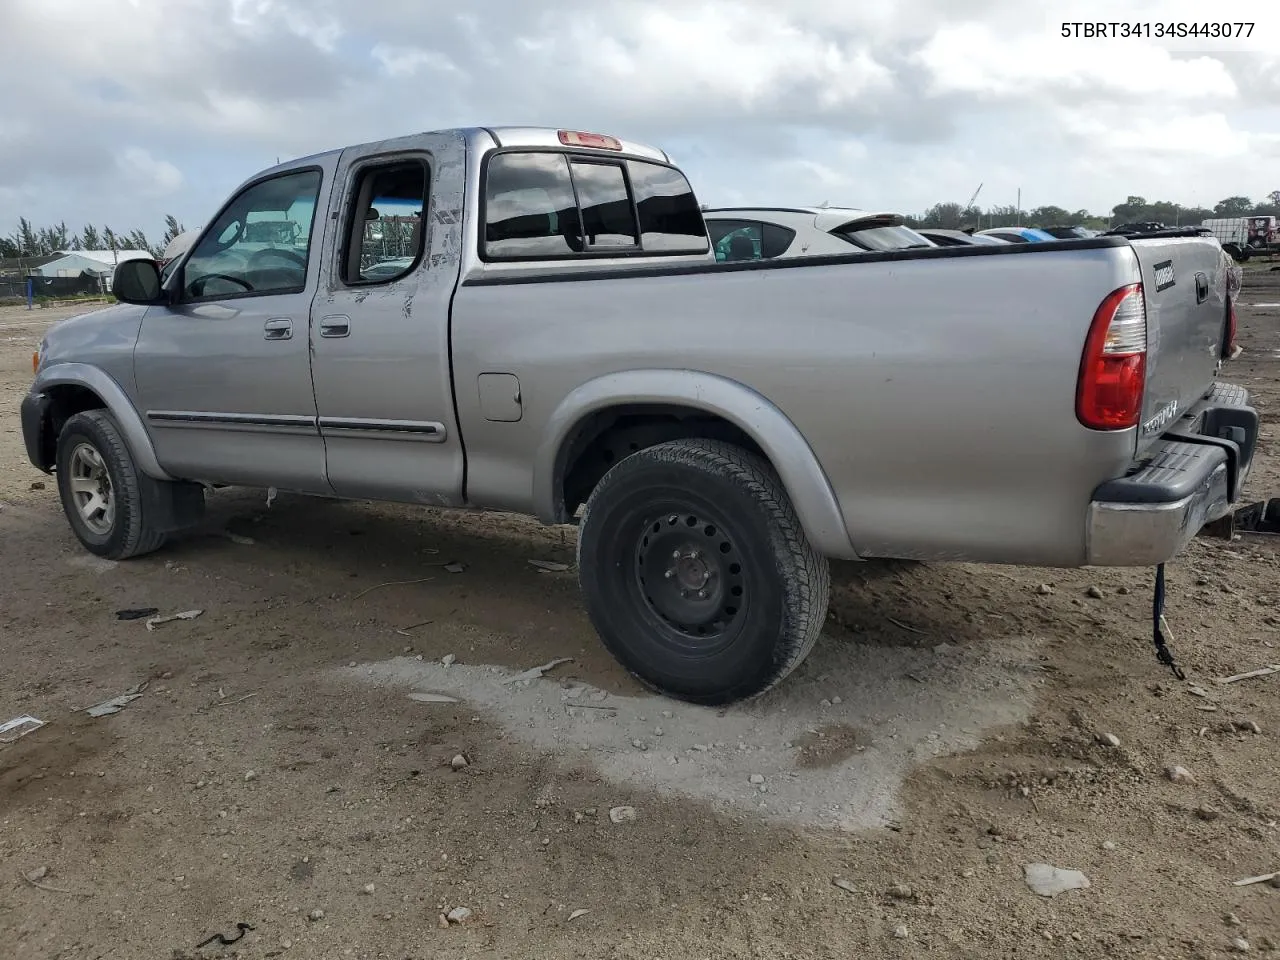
741	248
415	235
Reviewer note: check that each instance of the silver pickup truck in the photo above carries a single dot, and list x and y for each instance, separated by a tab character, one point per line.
533	321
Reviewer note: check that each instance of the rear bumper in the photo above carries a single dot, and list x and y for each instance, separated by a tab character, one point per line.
1190	478
35	423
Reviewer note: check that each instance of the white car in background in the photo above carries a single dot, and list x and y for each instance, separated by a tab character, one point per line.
174	251
766	233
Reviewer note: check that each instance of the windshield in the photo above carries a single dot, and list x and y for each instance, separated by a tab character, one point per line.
875	237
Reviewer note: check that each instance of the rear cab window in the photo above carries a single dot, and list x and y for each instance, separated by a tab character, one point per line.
553	205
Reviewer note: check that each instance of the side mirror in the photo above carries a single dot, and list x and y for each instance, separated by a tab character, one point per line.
137	281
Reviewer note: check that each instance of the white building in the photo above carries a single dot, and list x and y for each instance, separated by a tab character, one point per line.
97	263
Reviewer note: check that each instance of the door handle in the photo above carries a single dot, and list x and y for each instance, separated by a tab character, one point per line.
336	326
1202	288
281	328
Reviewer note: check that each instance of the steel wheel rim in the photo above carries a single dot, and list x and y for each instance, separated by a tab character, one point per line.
690	576
90	484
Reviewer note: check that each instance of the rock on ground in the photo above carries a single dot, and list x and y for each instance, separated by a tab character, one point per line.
1049	881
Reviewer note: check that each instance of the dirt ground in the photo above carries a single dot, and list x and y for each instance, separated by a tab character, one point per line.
951	728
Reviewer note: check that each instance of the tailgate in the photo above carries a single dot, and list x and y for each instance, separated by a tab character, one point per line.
1185	281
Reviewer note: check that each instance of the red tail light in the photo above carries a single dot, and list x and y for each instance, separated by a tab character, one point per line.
1113	369
1229	343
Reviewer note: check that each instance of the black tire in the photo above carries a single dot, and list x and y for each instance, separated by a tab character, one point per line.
127	531
764	590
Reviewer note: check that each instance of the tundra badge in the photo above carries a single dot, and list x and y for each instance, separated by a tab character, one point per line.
1161	418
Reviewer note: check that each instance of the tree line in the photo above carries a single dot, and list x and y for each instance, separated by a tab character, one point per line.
956	216
31	241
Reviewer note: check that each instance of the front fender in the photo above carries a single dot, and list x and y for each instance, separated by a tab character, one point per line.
117	403
797	466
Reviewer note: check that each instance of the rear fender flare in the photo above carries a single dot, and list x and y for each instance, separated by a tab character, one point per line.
802	475
117	404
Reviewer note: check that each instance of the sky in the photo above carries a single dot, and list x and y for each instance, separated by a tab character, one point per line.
120	111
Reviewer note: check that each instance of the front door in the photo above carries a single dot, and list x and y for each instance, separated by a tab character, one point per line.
224	373
380	325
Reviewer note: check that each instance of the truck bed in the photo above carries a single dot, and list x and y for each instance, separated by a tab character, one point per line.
936	388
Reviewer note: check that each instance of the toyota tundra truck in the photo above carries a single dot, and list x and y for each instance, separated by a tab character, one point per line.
533	321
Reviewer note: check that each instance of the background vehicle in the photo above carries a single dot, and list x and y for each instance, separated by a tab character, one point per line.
1243	237
1070	233
563	343
1136	228
957	238
1018	234
765	233
1263	232
173	252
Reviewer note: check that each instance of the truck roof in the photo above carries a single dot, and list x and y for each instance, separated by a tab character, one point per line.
509	136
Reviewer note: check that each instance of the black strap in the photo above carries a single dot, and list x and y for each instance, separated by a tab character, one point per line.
224	940
1163	653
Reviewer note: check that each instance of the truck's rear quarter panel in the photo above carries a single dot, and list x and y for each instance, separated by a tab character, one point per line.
937	392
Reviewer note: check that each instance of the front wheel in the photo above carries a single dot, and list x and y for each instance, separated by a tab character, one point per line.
697	574
103	493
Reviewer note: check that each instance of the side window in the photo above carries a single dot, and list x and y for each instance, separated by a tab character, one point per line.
775	240
259	244
737	240
530	210
607	217
741	241
385	235
670	221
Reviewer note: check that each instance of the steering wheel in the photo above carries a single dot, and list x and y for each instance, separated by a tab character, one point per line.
198	285
256	259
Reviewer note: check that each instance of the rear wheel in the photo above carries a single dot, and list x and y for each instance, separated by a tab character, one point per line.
103	494
697	574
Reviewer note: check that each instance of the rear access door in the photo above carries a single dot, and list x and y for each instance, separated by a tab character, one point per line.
380	322
1185	280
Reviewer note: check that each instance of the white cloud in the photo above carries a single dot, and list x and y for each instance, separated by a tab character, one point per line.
728	54
261	16
890	105
400	62
975	59
1207	136
147	175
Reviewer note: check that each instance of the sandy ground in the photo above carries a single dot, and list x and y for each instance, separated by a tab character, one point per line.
951	728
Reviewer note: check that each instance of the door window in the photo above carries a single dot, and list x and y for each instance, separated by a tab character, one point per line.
260	243
385	235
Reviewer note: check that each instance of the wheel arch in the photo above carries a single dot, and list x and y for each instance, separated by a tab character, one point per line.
653	406
75	387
